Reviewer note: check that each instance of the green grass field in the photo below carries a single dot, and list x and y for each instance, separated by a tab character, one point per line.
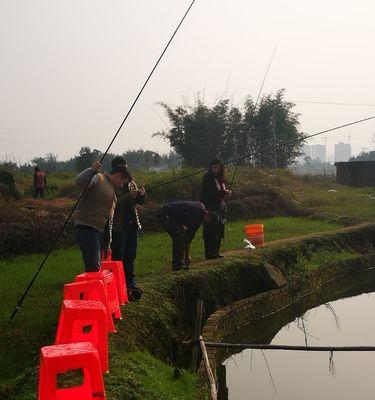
35	324
338	200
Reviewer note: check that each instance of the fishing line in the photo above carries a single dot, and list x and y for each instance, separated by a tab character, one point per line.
19	304
267	149
256	103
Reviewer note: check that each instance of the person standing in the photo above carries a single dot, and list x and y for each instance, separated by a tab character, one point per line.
94	213
213	196
181	219
40	182
126	225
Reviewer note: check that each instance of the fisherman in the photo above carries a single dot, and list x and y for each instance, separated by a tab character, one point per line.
181	219
94	213
214	195
40	182
126	225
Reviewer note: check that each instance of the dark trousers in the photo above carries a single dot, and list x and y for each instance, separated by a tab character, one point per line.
177	233
213	233
40	192
90	241
124	248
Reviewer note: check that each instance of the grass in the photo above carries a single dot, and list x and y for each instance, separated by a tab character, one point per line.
35	324
149	378
323	257
155	249
338	200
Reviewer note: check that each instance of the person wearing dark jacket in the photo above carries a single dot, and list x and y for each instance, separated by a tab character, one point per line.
213	196
126	225
181	219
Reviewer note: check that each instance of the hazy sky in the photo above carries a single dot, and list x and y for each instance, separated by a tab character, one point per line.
70	69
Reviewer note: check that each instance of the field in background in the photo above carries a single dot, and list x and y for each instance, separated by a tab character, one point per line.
315	192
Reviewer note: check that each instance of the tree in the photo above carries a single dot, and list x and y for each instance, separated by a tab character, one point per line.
201	133
370	156
48	163
86	158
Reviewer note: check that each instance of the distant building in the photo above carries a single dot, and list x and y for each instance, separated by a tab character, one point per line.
356	173
343	152
306	150
318	151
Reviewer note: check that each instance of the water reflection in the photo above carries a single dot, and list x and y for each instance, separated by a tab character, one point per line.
297	375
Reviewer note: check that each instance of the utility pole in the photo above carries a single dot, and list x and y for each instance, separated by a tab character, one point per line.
274	134
325	149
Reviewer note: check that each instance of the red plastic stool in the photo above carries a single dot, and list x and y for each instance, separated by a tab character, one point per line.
117	270
59	359
110	286
90	290
84	321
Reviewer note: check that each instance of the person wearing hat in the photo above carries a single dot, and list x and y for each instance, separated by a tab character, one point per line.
181	219
94	213
126	225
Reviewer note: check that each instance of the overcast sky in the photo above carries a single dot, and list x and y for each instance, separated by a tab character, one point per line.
70	69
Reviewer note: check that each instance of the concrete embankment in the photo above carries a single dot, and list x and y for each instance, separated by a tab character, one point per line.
165	316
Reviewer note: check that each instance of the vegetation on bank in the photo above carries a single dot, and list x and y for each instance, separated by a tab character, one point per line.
35	324
164	316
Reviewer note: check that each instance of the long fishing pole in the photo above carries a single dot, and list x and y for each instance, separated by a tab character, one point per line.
55	241
256	103
267	149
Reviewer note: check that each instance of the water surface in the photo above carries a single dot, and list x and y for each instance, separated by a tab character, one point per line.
307	375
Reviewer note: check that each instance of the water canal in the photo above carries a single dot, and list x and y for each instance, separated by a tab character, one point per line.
338	315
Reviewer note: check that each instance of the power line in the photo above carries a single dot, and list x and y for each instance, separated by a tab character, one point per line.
267	149
333	103
39	141
256	103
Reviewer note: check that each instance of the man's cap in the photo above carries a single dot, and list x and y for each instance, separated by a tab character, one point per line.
118	161
121	169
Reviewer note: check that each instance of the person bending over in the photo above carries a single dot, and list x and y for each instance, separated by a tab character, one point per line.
93	215
181	219
126	225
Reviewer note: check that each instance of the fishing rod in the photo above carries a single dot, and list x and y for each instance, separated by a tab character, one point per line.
267	149
55	241
256	103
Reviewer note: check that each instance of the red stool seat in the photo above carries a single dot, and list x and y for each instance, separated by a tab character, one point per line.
110	286
55	360
117	269
84	321
90	290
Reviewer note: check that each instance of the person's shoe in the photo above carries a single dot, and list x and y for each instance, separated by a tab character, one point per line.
219	255
185	267
135	293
